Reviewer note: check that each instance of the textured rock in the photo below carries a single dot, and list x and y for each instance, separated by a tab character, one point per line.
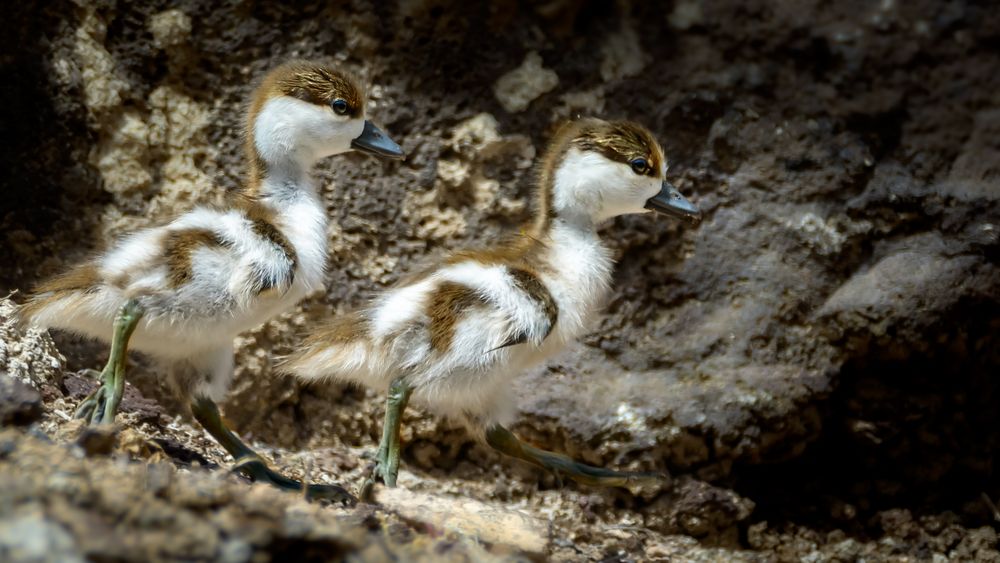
622	54
55	505
518	88
839	302
463	186
490	524
28	536
20	405
27	354
170	28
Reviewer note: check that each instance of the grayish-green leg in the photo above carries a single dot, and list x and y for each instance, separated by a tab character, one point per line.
100	406
387	461
504	441
249	463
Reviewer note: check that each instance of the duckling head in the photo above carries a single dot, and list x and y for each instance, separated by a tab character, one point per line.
597	169
304	111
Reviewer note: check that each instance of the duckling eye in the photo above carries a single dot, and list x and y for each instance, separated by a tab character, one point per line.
339	106
640	166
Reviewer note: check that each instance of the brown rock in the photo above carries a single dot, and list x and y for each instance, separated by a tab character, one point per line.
97	440
20	405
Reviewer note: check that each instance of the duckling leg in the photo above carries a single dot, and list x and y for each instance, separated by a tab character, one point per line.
249	463
504	441
387	461
100	406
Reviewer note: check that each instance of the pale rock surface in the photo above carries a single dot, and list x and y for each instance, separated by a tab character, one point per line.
27	353
518	88
484	522
622	55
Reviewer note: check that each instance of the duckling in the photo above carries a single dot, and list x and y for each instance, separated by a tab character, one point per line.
452	336
181	292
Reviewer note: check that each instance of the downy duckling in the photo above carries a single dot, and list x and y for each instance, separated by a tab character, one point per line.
455	334
181	292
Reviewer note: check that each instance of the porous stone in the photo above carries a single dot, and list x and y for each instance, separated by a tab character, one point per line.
20	404
518	88
27	353
490	524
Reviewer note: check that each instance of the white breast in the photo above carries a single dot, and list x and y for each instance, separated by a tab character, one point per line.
578	276
304	222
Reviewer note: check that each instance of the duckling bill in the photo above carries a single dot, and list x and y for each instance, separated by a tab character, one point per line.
181	292
454	335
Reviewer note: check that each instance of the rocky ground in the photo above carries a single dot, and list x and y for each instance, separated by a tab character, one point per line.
814	363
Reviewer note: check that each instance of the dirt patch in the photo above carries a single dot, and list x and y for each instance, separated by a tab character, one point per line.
68	504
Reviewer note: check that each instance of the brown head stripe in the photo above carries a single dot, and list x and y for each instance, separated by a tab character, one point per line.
622	141
558	145
321	85
446	305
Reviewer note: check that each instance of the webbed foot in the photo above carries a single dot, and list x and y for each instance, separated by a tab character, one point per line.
386	467
101	406
252	465
93	406
504	441
257	470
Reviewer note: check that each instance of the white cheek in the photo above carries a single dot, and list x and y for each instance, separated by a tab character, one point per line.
290	127
602	188
355	127
650	189
581	180
339	133
630	194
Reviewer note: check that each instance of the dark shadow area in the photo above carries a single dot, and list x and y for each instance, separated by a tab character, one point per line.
913	427
41	176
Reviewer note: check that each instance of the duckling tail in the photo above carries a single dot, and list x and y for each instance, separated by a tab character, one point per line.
341	349
59	296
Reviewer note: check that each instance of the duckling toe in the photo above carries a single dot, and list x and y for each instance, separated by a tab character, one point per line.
92	407
254	468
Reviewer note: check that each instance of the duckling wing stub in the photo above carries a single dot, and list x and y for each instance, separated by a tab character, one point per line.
266	278
532	286
523	336
277	271
515	339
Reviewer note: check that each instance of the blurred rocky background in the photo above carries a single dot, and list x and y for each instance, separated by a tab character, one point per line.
815	363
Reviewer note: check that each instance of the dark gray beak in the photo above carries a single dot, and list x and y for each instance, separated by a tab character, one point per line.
376	143
670	202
